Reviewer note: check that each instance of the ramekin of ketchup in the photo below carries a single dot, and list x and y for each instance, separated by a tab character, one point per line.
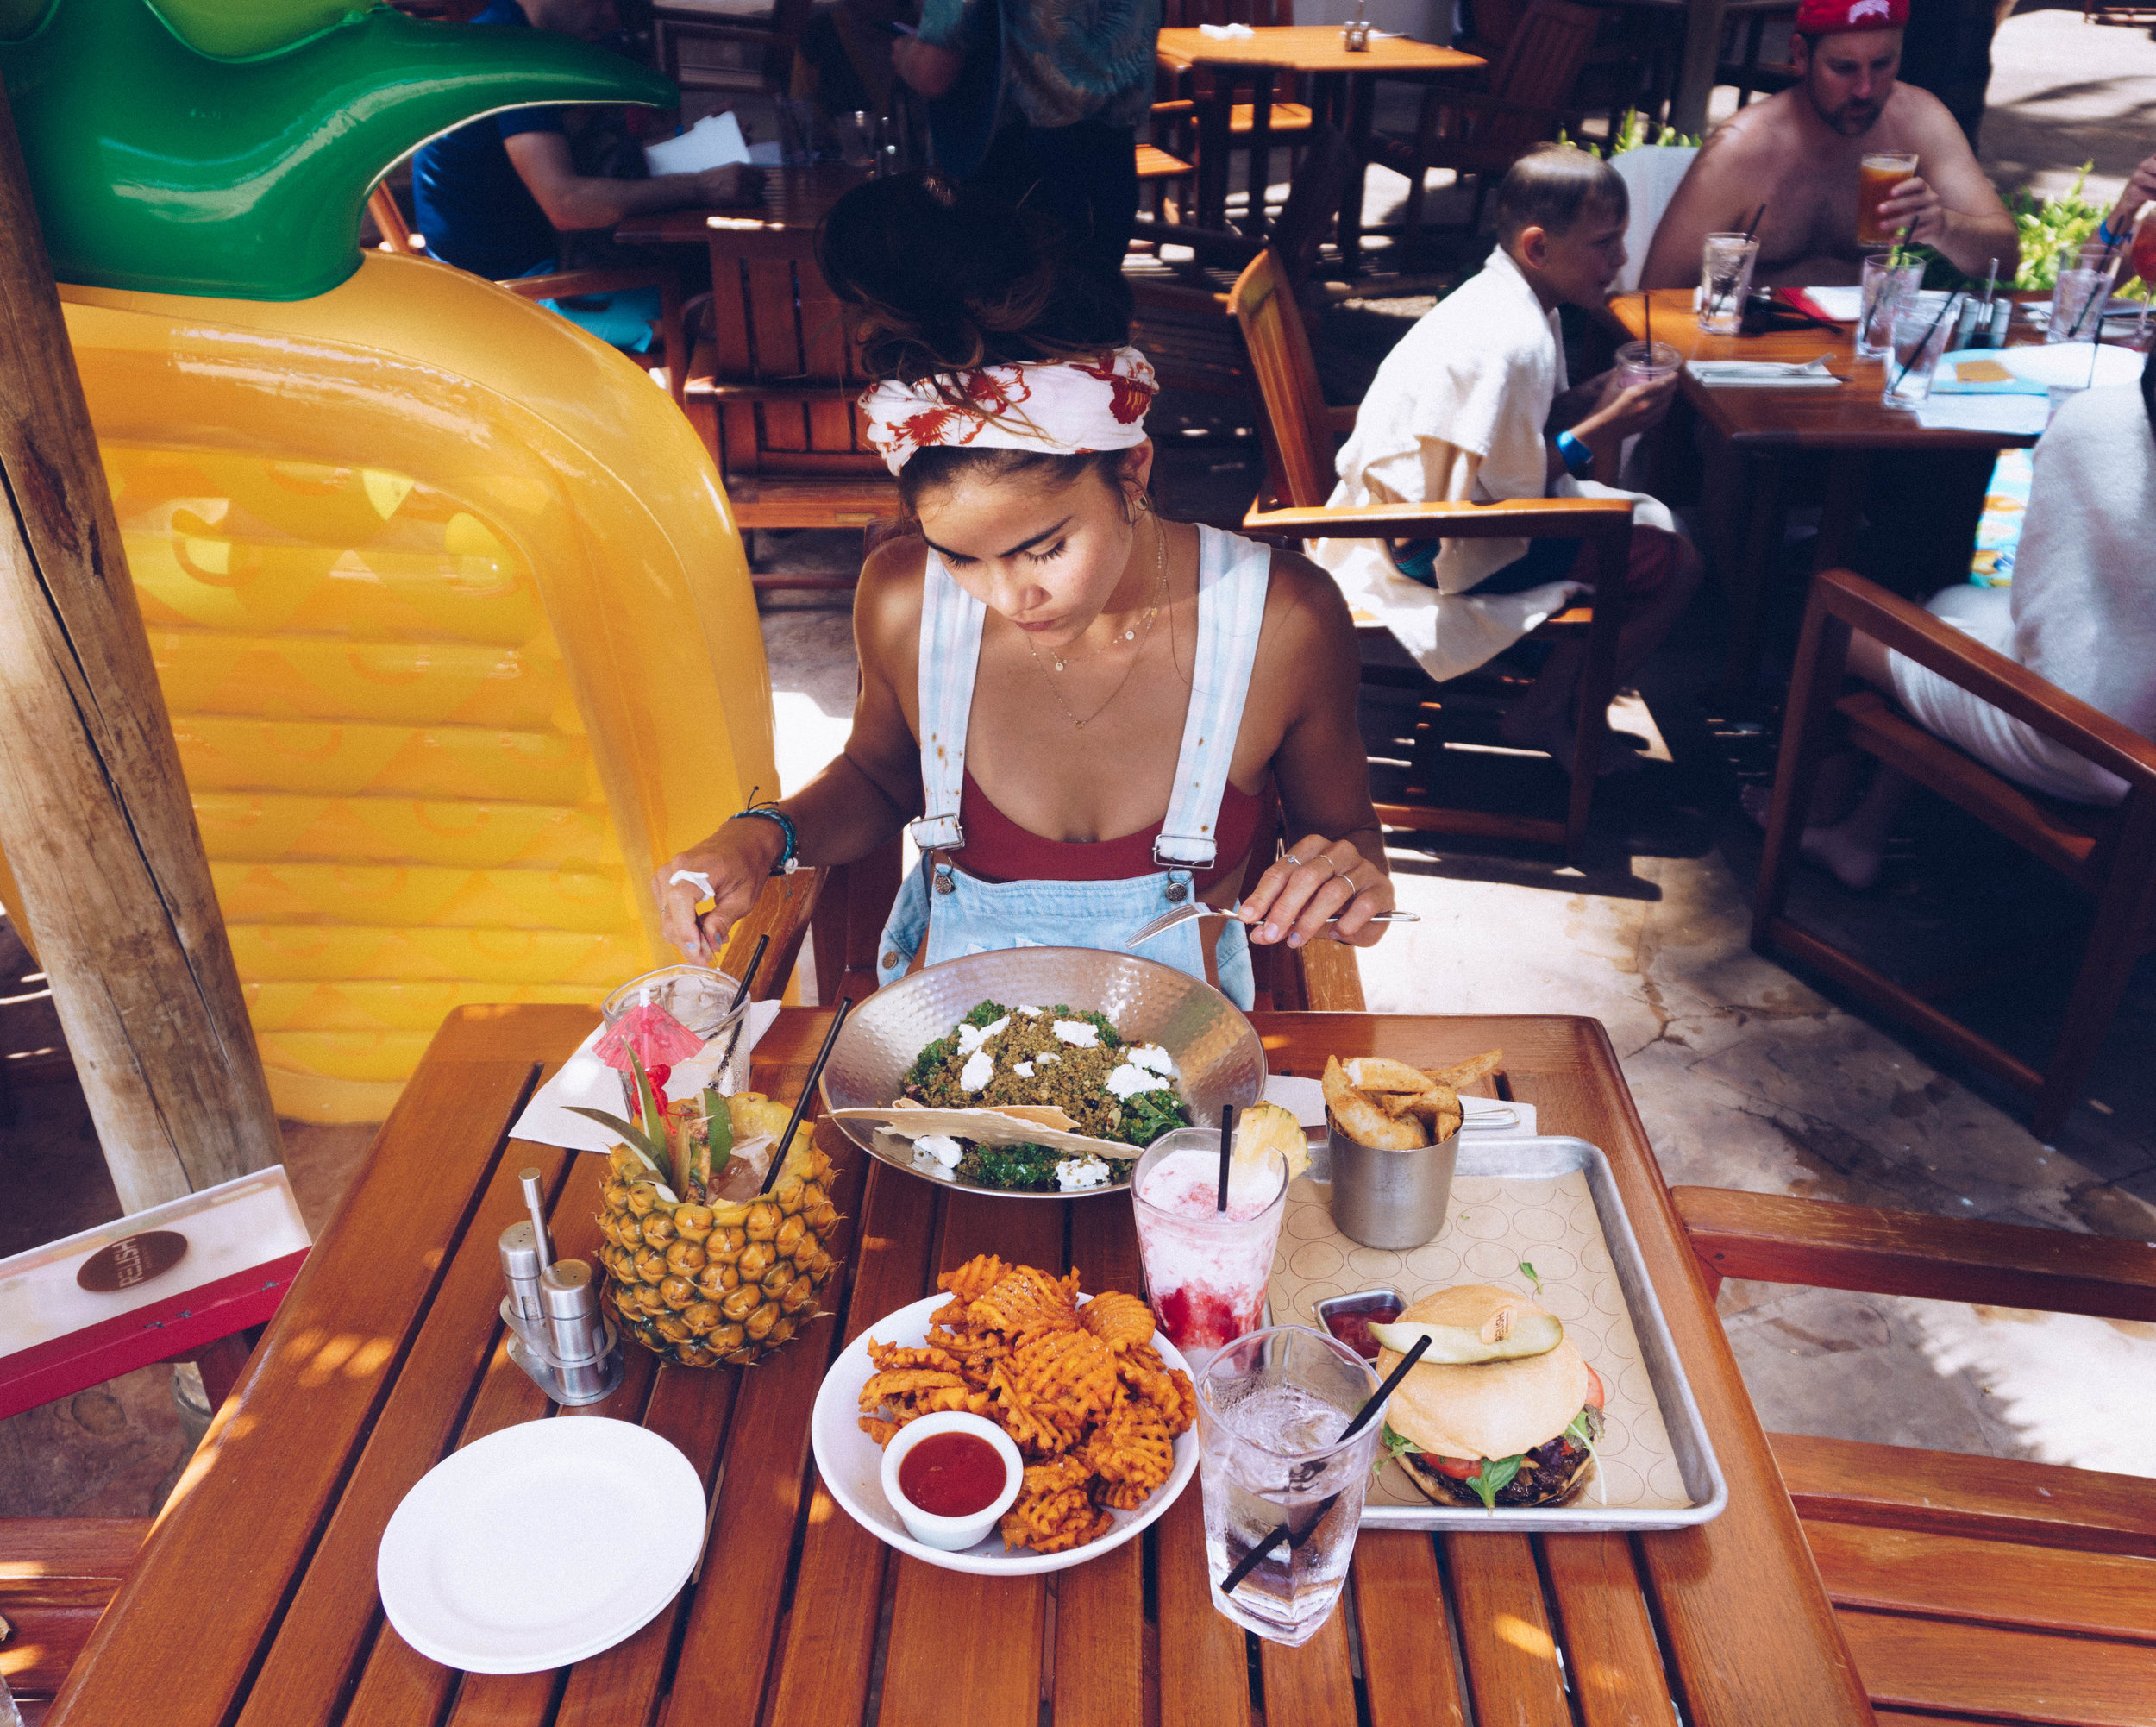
950	1476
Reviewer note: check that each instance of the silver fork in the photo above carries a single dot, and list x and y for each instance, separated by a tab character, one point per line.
1197	908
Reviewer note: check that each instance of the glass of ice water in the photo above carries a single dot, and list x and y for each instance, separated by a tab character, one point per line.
1272	1407
1725	278
1919	337
1886	288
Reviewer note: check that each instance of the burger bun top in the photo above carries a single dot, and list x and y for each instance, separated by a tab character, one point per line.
1491	1409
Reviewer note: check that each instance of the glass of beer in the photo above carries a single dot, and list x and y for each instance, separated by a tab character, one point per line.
1878	172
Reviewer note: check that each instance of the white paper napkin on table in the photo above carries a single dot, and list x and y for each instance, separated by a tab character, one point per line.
712	143
1765	374
586	1081
1305	1099
1227	33
2019	416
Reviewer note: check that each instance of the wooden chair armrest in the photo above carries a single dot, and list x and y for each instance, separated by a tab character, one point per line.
561	285
1517	518
783	911
1212	245
1184	297
1483	103
1779	1240
1933	643
709	388
1341	421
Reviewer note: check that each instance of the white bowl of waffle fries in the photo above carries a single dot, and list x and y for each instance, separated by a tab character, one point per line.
1102	1415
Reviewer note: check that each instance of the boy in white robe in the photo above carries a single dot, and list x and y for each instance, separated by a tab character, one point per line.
1472	406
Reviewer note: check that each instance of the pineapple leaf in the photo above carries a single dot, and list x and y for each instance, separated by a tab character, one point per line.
631	1137
719	1119
649	1107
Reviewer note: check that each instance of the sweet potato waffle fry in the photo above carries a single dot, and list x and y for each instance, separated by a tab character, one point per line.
1082	1392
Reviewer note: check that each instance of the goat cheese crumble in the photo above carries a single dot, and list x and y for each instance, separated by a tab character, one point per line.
1126	1082
1074	1175
1154	1057
1078	1034
939	1153
980	1069
970	1038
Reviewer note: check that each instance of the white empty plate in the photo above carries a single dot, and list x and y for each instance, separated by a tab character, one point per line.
515	1554
2065	364
851	1464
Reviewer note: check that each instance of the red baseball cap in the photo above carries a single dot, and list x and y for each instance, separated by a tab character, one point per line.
1827	17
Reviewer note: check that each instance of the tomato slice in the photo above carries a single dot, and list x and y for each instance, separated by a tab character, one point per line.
1595	1392
1459	1468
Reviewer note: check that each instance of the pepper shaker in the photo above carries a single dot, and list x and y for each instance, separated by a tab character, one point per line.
586	1355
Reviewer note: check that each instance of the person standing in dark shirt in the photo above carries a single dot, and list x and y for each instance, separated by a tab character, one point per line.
495	196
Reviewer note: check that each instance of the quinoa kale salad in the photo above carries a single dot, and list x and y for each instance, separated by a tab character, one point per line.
1075	1061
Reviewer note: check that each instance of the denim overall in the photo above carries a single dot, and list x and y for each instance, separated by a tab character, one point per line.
974	916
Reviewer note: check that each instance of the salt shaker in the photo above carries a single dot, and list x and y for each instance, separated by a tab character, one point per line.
586	1355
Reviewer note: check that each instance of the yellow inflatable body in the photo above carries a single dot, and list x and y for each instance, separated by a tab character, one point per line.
458	638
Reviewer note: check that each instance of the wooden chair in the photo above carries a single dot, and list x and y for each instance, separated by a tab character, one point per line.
1976	1586
56	1576
1272	115
1299	433
1183	322
759	36
1484	133
672	352
773	393
2108	854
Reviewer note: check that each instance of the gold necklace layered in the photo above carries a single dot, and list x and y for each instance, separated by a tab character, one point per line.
1139	633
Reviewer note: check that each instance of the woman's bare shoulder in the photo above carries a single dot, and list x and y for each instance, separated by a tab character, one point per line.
1304	606
887	598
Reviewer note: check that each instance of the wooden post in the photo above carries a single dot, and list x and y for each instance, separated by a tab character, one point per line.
1695	71
94	815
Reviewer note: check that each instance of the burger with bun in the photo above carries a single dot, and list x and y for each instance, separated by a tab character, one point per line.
1501	1410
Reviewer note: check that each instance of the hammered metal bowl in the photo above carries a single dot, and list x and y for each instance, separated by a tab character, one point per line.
1217	1053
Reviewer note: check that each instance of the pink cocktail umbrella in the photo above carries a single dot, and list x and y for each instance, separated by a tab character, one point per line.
653	1036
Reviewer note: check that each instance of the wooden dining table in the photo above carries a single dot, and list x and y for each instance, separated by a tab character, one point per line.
1765	431
1343	84
254	1601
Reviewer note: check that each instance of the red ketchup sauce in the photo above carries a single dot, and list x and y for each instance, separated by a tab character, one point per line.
952	1474
1352	1326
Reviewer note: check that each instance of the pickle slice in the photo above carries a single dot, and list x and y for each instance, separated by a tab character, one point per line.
1507	1335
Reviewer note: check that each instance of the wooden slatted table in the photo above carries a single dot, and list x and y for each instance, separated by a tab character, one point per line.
254	1601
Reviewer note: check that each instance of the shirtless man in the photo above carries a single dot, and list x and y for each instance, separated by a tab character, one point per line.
1797	153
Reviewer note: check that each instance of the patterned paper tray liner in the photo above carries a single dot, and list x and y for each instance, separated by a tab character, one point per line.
1546	1215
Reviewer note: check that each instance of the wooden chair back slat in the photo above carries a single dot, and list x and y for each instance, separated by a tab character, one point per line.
1313	202
1541	62
1298	448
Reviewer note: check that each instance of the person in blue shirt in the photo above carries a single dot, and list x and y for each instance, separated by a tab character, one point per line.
1077	78
496	195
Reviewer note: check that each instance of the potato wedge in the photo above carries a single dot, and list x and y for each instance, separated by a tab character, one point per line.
1362	1121
1465	1073
1382	1073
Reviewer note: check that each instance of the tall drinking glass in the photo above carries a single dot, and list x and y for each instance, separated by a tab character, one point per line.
2080	295
1271	1409
1205	1269
699	999
1919	337
1878	172
1725	277
1887	287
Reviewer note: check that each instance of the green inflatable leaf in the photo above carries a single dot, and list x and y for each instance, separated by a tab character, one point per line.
160	161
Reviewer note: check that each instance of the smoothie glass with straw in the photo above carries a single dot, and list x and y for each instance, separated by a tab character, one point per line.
1878	172
1206	1266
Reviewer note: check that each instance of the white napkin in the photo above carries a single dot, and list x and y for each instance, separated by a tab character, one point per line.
1845	303
585	1080
1765	374
1305	1099
1227	33
713	141
2019	416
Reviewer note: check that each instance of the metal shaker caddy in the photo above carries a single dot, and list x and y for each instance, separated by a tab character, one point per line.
557	1333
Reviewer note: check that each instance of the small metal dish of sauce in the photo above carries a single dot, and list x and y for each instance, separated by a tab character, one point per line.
1349	1317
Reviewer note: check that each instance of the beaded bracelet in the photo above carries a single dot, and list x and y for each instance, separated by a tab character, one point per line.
788	862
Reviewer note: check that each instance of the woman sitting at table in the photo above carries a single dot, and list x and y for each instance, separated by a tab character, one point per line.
2081	615
1082	712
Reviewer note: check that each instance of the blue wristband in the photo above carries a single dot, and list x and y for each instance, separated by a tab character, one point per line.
1575	455
788	862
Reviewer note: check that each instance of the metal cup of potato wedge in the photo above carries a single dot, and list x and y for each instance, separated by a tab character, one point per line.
1390	1199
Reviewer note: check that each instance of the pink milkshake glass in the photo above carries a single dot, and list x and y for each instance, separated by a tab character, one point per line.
1206	1270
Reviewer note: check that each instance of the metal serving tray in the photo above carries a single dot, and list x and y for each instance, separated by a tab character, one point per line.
1515	1199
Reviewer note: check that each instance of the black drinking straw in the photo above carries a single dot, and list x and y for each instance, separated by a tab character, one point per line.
808	1090
741	995
1227	1152
1922	345
2103	296
1249	1561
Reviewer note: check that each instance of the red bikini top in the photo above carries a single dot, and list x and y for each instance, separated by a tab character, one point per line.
999	850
